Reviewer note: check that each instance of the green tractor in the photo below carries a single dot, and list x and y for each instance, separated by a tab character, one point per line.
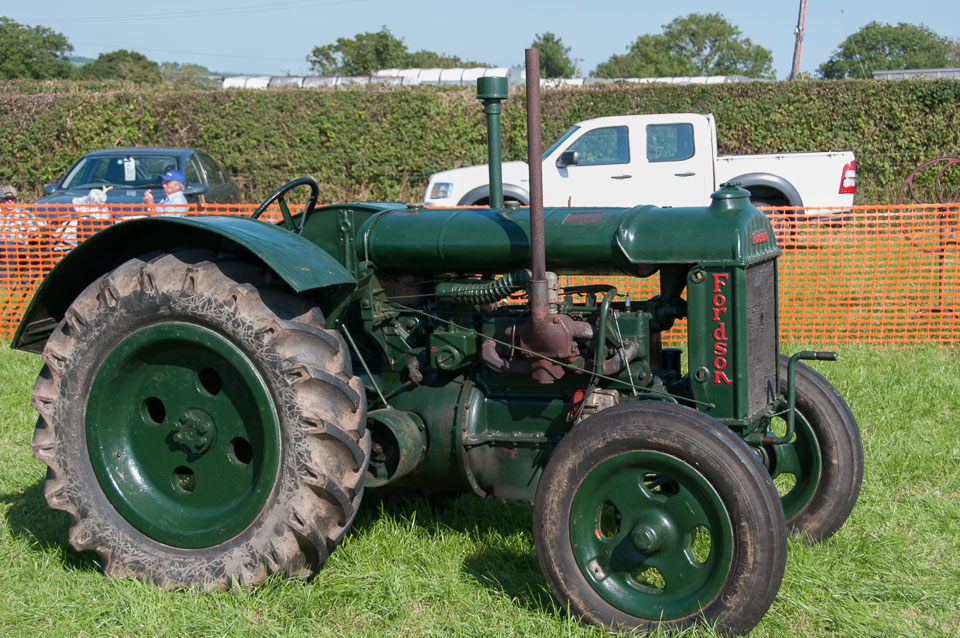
217	392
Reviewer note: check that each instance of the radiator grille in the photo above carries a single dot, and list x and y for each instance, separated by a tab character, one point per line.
761	300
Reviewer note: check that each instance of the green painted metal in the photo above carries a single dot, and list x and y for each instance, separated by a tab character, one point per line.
439	402
641	511
510	427
399	443
717	332
602	325
449	350
183	435
334	229
299	262
808	355
492	91
492	435
589	241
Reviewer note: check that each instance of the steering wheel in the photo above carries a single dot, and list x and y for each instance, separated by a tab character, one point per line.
278	196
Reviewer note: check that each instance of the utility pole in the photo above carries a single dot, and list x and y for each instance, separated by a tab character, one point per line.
798	47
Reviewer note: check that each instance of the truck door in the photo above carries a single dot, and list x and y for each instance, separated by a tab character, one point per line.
677	164
596	171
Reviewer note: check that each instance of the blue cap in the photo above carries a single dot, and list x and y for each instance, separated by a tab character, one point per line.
174	175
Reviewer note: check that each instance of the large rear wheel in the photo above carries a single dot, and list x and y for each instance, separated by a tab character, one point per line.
653	514
199	424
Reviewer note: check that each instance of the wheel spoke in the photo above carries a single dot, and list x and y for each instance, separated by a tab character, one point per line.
680	571
285	211
686	511
788	462
629	494
623	556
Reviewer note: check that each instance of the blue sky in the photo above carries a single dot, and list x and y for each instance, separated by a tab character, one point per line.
274	37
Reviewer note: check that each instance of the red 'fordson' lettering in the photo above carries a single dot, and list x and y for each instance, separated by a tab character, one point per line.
720	345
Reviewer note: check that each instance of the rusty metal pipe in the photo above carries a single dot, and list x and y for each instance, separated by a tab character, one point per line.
535	164
539	304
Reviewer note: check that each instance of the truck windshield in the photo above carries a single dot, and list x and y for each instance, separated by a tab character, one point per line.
573	129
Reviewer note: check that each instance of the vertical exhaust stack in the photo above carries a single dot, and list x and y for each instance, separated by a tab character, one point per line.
492	91
539	302
551	337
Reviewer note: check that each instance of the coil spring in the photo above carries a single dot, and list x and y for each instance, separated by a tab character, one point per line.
487	292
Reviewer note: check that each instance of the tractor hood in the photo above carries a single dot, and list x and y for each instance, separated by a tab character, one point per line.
420	240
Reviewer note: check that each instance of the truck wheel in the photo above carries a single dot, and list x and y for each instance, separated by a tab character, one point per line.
200	426
784	222
820	471
653	514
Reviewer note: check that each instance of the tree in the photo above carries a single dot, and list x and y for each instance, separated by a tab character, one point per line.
32	52
122	65
185	74
879	46
649	56
555	59
698	44
368	52
361	55
431	60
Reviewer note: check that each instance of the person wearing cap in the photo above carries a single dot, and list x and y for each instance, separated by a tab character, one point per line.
173	185
27	240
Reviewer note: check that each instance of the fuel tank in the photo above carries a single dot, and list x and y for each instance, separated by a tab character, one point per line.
591	241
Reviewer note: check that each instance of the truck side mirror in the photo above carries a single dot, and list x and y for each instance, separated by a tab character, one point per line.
568	158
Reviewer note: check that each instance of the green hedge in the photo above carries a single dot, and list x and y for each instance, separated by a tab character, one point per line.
383	142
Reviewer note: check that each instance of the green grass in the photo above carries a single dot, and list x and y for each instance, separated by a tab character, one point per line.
466	567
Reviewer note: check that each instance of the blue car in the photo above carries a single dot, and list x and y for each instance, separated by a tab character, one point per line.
131	171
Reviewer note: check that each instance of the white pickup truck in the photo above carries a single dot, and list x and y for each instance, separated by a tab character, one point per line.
663	159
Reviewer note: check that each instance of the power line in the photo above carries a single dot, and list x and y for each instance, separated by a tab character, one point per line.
220	54
193	13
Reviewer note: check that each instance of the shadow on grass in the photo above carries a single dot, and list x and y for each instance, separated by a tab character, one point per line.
439	511
492	527
30	519
515	575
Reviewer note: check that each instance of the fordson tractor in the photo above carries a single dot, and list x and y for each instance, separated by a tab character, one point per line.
217	392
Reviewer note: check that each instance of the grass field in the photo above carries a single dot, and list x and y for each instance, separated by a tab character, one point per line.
466	567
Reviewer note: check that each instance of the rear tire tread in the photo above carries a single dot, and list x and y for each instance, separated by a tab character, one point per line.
297	527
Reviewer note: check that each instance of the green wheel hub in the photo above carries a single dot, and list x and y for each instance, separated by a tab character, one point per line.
799	459
183	435
651	535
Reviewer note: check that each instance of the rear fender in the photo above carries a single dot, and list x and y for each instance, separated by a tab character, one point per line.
300	263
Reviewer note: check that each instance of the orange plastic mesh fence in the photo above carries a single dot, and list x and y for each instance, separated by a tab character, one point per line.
884	275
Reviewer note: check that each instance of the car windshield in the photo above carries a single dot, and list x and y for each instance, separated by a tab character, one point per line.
127	171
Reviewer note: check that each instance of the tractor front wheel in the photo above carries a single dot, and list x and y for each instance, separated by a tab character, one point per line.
200	426
819	472
653	514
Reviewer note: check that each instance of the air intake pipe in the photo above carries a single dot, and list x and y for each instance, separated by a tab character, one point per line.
492	91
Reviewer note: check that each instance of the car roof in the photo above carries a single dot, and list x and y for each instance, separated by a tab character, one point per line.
142	151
